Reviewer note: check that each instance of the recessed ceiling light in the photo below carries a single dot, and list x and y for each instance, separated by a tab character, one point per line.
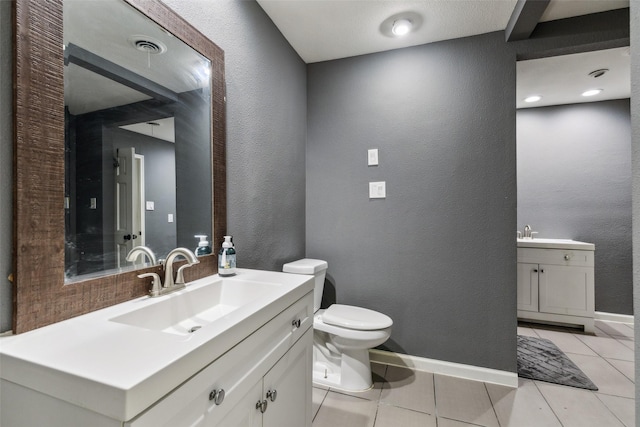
533	98
401	27
592	92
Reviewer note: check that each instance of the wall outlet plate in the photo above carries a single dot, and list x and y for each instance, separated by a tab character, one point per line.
378	190
372	157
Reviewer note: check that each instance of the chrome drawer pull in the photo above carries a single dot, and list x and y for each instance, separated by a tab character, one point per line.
272	395
296	323
217	396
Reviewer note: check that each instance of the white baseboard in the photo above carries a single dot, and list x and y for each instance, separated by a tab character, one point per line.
469	372
614	317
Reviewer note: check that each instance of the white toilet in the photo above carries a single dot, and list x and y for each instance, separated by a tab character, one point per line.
342	335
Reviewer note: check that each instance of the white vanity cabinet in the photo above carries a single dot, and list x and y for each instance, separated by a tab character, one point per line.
276	358
556	285
251	366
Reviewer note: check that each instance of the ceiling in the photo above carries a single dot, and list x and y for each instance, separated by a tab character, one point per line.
323	30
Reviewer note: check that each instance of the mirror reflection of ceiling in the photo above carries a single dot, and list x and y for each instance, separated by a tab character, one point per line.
173	69
562	79
161	128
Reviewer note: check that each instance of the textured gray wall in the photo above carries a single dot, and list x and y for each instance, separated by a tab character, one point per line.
574	181
6	164
438	254
266	131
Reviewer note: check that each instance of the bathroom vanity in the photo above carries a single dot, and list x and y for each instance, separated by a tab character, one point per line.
556	282
222	352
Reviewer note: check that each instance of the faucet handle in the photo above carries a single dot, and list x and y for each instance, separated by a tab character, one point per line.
532	233
180	274
519	234
156	284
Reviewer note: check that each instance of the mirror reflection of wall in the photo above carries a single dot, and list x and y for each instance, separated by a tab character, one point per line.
126	81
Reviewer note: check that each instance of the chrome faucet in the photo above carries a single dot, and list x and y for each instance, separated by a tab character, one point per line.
141	250
168	267
170	285
528	232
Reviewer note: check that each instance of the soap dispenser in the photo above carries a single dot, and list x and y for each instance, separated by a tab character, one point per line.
227	258
203	245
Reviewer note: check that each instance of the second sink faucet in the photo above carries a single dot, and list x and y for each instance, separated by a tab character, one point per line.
528	232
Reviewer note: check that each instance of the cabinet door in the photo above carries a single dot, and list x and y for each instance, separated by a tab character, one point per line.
566	290
527	286
290	381
244	413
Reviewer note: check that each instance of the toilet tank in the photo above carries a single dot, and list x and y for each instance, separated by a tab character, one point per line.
315	267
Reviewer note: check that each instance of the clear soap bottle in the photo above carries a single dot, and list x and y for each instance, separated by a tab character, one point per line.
227	258
203	245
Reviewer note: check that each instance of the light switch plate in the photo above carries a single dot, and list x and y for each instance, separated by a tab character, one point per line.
372	157
378	190
170	218
150	206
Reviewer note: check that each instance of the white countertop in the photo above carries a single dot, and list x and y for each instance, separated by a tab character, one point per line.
555	244
119	370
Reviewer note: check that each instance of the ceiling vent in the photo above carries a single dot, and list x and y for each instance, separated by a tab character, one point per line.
598	73
148	44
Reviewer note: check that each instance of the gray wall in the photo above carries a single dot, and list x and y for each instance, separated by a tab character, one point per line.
438	254
574	182
6	164
266	131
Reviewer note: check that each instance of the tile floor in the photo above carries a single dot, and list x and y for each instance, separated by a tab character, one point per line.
406	398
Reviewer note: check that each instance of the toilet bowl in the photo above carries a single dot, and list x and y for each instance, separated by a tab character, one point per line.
343	335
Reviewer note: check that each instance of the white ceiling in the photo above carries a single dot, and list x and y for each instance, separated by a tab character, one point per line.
322	30
563	79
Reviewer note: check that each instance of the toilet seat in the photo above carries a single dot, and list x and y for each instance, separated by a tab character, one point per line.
357	318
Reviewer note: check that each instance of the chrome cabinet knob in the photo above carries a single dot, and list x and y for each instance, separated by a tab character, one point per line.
262	406
567	257
217	396
272	395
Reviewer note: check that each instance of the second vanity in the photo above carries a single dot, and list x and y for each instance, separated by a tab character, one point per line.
222	352
556	282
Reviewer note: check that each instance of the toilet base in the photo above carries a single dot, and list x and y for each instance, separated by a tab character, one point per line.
352	372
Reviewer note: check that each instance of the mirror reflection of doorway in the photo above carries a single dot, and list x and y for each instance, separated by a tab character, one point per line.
129	204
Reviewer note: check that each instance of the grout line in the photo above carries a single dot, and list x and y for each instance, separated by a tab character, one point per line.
535	383
609	409
486	389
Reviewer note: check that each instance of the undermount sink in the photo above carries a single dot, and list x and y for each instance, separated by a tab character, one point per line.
191	309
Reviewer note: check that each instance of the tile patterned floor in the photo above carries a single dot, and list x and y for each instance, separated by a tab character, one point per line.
406	398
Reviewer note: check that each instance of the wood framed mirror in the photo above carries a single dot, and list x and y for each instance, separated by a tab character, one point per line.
40	295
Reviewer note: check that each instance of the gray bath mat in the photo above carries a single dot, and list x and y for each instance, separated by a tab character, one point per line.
540	359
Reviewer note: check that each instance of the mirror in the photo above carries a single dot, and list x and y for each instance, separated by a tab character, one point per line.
137	135
40	294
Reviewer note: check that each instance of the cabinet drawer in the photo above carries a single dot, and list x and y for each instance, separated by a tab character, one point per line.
567	257
235	372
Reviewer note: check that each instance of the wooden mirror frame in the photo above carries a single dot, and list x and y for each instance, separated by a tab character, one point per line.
40	296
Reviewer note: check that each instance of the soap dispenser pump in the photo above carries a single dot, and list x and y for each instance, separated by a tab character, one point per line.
227	258
203	245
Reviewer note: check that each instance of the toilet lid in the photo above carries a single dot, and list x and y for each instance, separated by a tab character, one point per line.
351	317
